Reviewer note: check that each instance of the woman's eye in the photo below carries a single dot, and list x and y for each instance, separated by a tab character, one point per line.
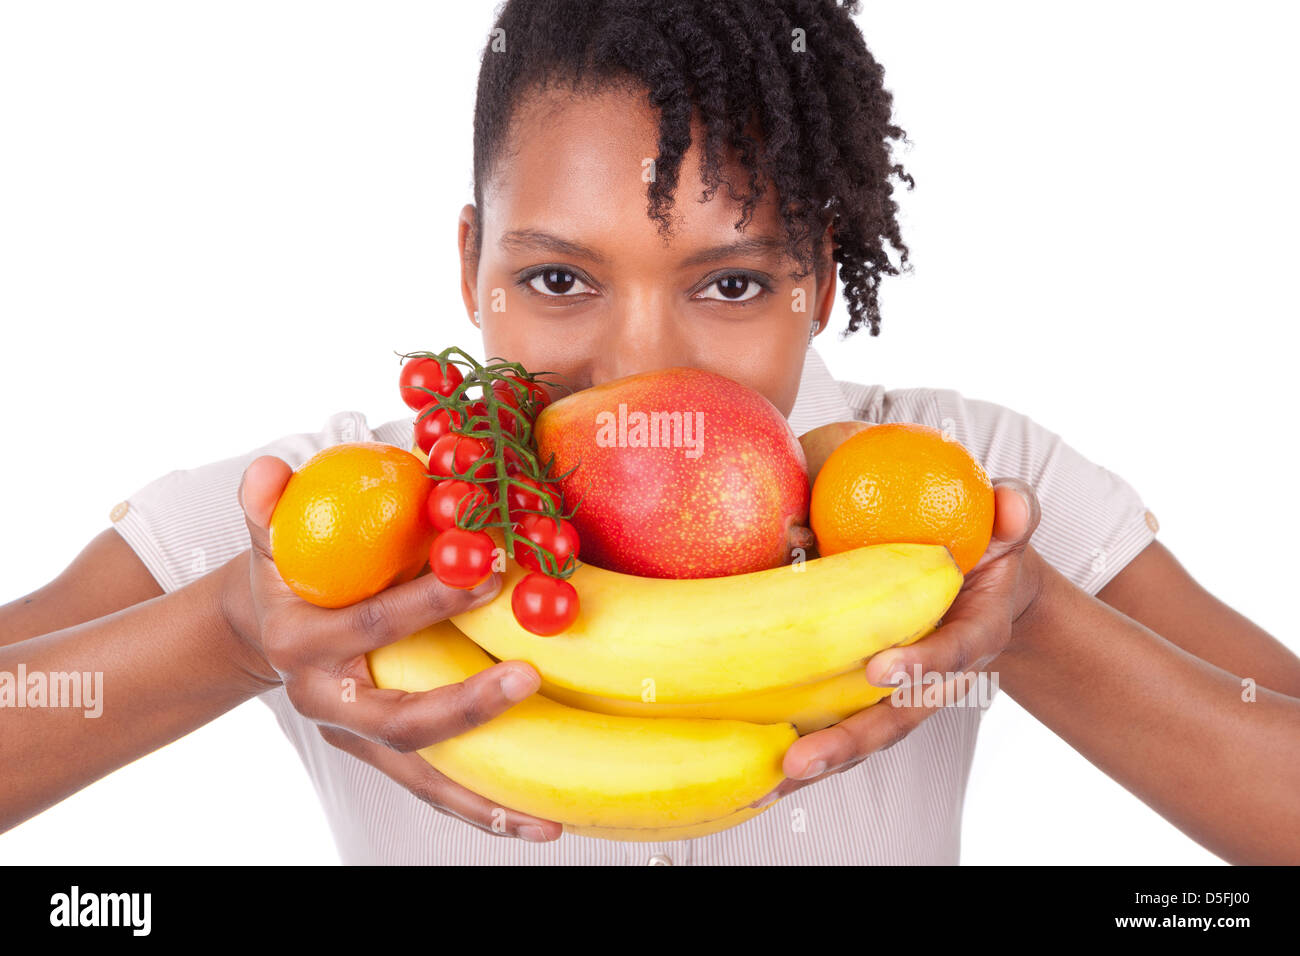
733	288
556	282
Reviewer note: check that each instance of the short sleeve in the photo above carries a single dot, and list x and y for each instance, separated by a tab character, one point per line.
1093	522
189	522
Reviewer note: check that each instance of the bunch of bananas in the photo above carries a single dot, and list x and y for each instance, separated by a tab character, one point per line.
667	707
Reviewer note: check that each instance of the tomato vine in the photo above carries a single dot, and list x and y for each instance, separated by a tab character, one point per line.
480	418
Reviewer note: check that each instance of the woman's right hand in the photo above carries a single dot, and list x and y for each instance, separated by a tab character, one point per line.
315	651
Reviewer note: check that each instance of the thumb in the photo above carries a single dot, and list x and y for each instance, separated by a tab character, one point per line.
259	492
1016	513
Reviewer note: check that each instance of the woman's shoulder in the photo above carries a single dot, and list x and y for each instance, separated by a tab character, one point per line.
339	428
1093	520
982	426
188	520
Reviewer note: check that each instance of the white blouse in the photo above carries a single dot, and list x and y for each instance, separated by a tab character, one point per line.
899	806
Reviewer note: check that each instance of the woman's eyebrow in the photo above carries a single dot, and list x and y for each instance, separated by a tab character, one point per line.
755	246
520	240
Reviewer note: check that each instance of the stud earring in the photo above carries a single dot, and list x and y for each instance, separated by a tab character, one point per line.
475	319
812	332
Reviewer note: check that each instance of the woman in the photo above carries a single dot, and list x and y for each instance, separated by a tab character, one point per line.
586	253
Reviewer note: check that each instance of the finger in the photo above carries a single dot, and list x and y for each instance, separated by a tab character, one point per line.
1016	515
843	745
972	635
974	631
392	614
260	488
419	777
789	785
343	633
408	720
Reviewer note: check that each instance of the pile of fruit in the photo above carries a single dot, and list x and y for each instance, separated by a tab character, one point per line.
475	434
701	633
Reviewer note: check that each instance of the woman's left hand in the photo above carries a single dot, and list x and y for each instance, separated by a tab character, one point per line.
976	628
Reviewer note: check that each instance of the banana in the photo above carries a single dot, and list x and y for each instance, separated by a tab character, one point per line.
621	778
666	834
809	707
708	639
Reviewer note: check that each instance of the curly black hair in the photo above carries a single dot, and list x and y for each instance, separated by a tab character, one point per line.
798	70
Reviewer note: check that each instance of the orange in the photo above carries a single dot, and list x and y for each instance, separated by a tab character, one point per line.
901	482
351	522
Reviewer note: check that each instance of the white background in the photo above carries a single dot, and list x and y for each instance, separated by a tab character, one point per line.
218	220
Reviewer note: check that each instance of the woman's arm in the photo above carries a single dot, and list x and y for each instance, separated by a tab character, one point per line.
1182	734
1156	590
169	665
172	663
105	577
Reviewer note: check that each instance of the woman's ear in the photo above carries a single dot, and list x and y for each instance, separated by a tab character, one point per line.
827	283
468	238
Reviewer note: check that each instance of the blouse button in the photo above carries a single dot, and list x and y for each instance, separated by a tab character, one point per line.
118	512
659	859
1152	523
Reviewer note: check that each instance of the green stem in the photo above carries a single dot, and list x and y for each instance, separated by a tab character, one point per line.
487	427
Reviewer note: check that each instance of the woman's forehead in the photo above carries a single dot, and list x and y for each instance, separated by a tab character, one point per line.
578	165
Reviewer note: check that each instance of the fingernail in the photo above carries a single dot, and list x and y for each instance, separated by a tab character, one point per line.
519	684
486	591
895	674
768	800
814	769
1029	506
531	833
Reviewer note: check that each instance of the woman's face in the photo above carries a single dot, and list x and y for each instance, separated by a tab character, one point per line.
574	278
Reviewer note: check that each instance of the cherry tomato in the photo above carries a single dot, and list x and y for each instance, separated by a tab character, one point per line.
536	396
422	373
530	498
462	559
432	426
473	411
543	605
507	419
442	455
453	455
554	534
511	400
506	394
453	498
